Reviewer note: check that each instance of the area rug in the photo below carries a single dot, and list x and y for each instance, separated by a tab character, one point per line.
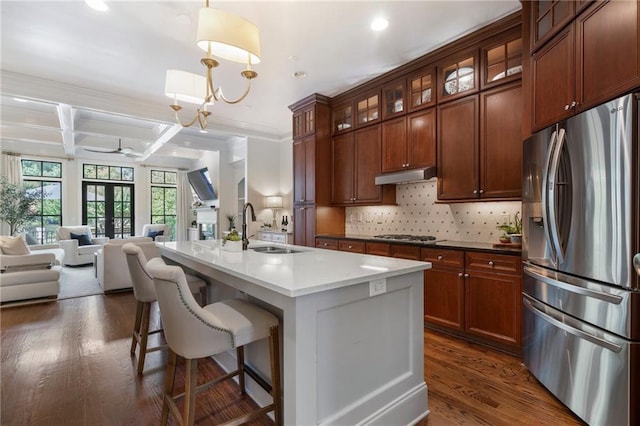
78	281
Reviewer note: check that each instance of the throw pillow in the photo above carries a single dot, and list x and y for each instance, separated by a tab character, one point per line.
154	234
14	245
83	239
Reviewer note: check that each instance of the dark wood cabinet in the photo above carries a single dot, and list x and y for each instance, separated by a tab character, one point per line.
368	108
380	249
326	243
458	76
356	161
458	139
548	17
475	294
409	142
394	99
352	246
502	59
595	58
405	252
311	177
342	116
501	142
488	166
493	297
444	288
422	89
304	170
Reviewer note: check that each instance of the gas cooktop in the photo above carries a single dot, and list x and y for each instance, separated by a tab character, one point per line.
407	237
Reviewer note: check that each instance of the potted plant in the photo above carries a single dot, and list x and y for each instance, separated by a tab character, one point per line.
232	241
232	221
17	203
512	230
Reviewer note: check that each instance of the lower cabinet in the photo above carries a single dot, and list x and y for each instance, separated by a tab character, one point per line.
475	294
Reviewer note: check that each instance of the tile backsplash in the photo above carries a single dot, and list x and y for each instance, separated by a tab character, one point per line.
418	213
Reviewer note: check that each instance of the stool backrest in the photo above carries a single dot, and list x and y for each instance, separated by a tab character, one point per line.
143	287
191	331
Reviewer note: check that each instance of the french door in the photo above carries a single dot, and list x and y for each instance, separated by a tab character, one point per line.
108	209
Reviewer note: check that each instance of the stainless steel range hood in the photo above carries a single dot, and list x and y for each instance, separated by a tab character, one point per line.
407	176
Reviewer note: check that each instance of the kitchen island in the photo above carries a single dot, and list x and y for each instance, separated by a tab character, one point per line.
352	328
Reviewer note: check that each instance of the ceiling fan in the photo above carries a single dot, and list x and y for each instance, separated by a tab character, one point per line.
127	151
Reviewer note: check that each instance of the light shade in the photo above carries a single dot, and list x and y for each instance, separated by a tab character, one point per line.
231	37
185	86
274	202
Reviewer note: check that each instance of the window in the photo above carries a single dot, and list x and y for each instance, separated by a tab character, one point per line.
164	193
96	171
44	178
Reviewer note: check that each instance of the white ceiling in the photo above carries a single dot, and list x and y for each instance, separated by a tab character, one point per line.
99	76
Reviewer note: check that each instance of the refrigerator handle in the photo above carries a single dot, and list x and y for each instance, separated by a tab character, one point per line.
551	182
545	191
532	305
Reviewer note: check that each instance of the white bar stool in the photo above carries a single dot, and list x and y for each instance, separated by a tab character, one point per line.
195	332
145	293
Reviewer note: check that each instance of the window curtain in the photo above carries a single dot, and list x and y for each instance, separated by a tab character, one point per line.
183	207
11	167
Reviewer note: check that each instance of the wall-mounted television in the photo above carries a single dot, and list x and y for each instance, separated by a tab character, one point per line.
201	184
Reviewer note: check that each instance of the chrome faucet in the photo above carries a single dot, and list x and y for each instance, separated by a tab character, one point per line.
245	239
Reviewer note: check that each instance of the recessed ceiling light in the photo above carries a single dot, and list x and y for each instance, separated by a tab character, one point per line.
379	24
300	74
98	5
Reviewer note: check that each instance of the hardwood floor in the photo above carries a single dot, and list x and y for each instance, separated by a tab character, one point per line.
68	363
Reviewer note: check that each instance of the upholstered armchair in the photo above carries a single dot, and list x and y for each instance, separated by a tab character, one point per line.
158	232
79	244
28	272
111	263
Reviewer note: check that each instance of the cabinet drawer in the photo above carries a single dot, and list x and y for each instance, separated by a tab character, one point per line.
440	257
352	246
380	249
327	243
279	238
493	262
405	252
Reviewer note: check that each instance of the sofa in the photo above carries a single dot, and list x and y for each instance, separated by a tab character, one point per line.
111	263
158	231
74	252
30	272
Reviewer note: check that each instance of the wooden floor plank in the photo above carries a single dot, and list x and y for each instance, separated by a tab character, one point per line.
68	363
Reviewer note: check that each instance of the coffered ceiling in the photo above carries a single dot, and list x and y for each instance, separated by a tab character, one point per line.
92	78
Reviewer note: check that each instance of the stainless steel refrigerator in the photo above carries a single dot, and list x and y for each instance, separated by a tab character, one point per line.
581	299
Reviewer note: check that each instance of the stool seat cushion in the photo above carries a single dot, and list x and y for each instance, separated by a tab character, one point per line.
244	320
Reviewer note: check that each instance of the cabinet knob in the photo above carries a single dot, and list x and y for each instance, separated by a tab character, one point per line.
574	104
439	257
475	191
566	107
350	247
460	274
325	244
482	191
491	263
466	275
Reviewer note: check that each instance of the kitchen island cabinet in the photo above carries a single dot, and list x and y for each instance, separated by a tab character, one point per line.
350	356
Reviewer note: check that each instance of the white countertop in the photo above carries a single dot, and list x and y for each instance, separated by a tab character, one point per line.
310	271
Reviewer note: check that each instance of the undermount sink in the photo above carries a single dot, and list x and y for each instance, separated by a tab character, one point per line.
274	250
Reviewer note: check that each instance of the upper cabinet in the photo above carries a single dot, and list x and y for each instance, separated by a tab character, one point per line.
368	108
548	18
409	142
304	121
458	76
422	89
502	59
343	116
394	99
592	59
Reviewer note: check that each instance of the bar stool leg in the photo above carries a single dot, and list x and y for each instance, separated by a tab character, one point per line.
276	392
168	386
144	334
240	358
136	328
191	383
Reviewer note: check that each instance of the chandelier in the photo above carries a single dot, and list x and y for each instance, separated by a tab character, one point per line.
224	36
